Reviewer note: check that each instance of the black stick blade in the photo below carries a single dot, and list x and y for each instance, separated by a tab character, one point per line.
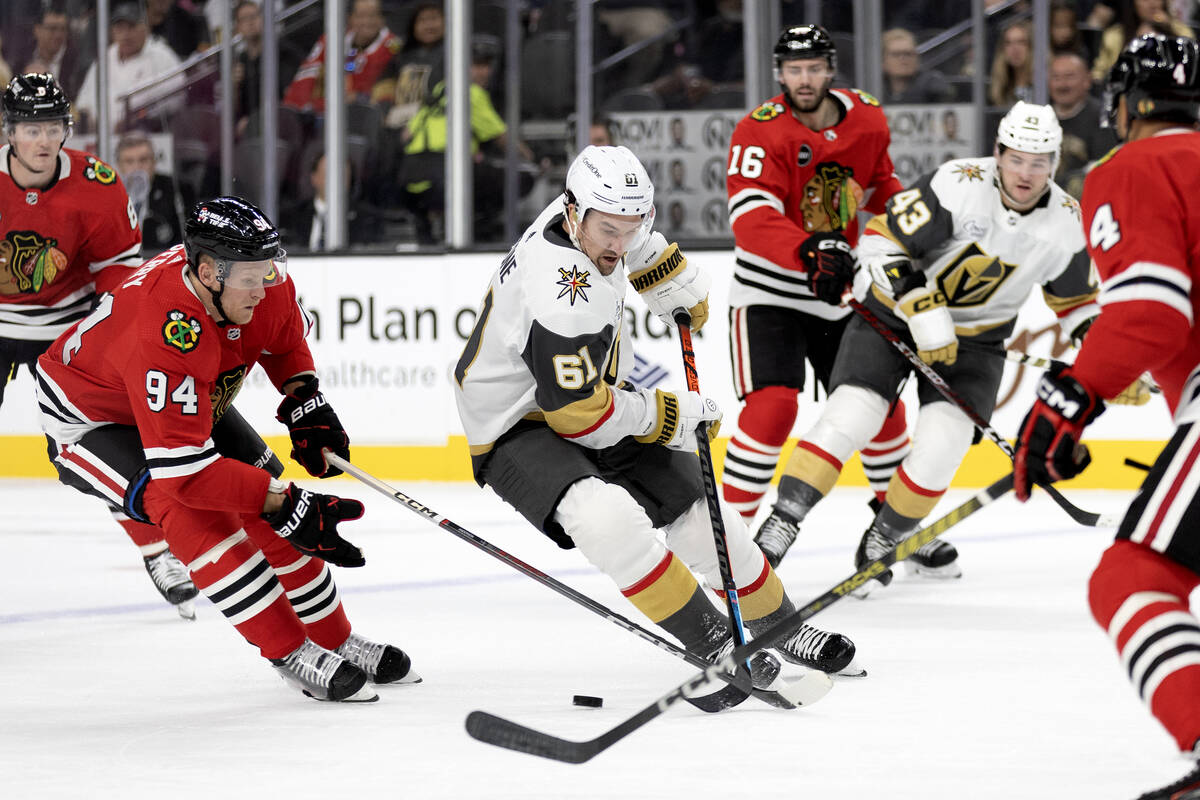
490	729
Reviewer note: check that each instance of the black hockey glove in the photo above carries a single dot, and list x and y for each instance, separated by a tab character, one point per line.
828	259
1048	447
313	426
309	521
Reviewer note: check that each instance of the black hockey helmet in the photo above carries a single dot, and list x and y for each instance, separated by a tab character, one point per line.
1159	76
805	41
229	229
35	97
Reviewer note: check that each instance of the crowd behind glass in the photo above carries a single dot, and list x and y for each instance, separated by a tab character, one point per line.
676	55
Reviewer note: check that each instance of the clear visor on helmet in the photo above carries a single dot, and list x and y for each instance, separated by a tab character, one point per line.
615	234
251	275
50	130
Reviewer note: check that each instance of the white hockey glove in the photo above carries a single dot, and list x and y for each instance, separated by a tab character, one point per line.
930	323
666	281
676	418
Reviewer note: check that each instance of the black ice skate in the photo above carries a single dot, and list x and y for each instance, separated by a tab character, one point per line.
764	667
831	653
1186	788
775	536
872	546
324	675
382	662
936	559
171	579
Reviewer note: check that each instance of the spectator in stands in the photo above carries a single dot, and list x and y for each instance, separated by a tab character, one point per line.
602	132
1012	66
1065	36
306	228
6	72
134	57
158	205
632	22
903	79
422	174
369	47
52	49
719	52
184	31
247	66
1136	18
412	73
1078	112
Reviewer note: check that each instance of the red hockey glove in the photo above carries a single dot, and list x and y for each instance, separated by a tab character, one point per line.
309	521
313	426
1048	447
829	262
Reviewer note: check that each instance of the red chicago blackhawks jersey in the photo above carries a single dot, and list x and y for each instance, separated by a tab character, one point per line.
1143	230
62	244
150	356
786	180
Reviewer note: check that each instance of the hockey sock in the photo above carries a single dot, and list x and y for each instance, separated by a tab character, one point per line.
1140	597
893	524
909	499
763	426
308	584
883	454
762	598
236	577
796	498
149	538
668	596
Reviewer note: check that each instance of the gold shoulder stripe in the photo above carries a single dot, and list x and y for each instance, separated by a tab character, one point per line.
879	225
1060	304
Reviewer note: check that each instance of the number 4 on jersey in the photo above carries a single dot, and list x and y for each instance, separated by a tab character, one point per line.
1105	231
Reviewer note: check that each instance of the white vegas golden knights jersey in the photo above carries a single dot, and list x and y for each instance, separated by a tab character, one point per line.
547	347
983	256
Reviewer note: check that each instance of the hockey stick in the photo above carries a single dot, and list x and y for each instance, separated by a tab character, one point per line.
1088	518
683	322
730	696
501	732
1017	357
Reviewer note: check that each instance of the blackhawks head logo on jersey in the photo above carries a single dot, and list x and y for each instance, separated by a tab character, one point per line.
28	262
831	198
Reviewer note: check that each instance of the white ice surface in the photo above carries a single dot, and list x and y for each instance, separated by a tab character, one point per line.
998	685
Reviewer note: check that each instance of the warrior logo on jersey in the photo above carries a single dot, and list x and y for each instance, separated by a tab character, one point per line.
830	198
181	332
973	277
969	172
99	172
766	112
225	388
29	262
574	283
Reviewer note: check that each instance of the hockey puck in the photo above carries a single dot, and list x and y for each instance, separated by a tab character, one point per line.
588	701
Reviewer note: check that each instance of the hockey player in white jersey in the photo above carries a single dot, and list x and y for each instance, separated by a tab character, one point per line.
954	257
590	461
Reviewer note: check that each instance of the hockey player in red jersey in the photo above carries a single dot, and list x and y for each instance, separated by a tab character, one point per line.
67	233
800	167
1143	232
128	397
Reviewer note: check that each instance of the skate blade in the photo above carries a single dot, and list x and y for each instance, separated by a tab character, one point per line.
851	670
187	610
409	677
947	572
364	695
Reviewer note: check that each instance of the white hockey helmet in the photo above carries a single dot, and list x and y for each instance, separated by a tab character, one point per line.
612	180
1031	128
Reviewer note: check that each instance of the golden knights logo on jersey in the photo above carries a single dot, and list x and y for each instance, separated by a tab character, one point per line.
574	284
831	197
181	332
29	262
972	277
